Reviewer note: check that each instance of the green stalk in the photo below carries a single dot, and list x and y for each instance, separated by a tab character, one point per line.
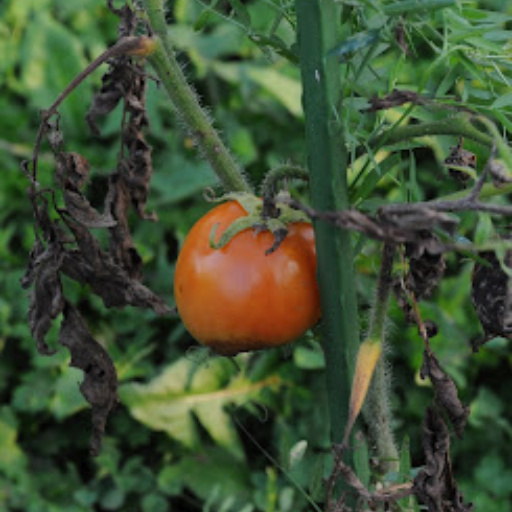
318	21
377	410
497	139
279	173
488	191
185	101
459	126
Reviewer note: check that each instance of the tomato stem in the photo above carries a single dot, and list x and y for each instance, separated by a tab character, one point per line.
269	186
377	411
185	101
318	25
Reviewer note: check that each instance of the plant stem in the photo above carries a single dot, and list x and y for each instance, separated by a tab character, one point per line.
282	172
380	309
502	146
459	126
377	410
186	103
134	46
318	21
488	190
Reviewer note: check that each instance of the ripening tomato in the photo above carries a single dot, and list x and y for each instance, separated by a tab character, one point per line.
237	298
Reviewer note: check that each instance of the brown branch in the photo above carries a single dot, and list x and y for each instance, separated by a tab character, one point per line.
125	46
470	202
387	495
392	229
400	223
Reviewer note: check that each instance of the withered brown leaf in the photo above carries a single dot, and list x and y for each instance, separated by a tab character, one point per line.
90	265
435	485
491	295
99	386
46	299
446	394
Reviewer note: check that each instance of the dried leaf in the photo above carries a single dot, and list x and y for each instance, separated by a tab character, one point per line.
92	266
435	485
394	99
446	394
46	299
99	387
491	294
458	160
137	167
122	247
499	173
67	246
426	265
419	220
81	210
110	94
72	170
118	81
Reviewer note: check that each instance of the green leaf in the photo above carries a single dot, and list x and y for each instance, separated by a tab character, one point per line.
503	101
373	176
187	390
405	460
43	80
154	502
12	458
113	499
484	229
285	89
85	497
277	44
297	453
34	394
354	43
67	399
308	358
362	459
492	475
188	178
486	16
205	16
415	6
210	471
241	11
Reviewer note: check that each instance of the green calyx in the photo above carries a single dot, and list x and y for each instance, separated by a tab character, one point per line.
256	218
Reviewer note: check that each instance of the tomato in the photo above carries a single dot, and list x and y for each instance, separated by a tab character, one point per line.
237	298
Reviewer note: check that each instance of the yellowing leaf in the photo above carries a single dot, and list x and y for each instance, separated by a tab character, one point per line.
187	390
368	356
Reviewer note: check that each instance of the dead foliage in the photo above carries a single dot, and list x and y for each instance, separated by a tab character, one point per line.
65	244
445	392
435	485
491	294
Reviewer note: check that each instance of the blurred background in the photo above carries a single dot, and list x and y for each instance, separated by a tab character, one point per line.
195	432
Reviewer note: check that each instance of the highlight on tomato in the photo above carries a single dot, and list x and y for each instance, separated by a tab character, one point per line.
241	297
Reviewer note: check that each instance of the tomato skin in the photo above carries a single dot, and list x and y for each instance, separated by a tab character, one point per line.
237	298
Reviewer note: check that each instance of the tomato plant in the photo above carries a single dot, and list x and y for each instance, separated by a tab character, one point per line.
238	298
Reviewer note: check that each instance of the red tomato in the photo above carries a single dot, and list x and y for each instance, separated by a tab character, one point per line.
237	298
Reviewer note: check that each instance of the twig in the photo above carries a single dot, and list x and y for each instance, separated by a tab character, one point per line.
387	495
417	316
477	189
462	205
125	46
380	229
467	203
401	223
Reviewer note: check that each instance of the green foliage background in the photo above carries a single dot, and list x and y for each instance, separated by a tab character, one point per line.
195	432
